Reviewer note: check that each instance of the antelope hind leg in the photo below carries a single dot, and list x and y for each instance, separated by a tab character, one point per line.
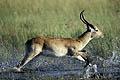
25	60
30	54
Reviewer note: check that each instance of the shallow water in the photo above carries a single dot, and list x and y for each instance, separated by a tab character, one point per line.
62	67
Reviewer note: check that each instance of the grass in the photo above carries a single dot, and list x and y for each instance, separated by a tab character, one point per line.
21	20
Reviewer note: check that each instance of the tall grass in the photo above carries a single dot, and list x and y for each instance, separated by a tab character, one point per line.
21	20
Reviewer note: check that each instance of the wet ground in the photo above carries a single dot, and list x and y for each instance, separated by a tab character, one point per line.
63	68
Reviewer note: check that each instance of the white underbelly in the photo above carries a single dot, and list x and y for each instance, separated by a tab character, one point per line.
57	53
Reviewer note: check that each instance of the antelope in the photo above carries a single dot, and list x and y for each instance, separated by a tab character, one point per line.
61	46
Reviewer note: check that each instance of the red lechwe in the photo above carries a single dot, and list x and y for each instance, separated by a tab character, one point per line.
60	46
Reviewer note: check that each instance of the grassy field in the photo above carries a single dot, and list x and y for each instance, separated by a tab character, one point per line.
21	20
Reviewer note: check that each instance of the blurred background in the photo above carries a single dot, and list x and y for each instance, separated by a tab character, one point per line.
21	20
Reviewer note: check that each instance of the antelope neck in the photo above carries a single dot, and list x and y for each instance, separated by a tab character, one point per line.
85	37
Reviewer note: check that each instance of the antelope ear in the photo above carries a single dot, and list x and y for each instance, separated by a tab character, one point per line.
95	28
92	26
88	29
92	29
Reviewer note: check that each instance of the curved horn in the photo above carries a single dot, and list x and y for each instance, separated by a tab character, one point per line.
85	21
81	17
84	18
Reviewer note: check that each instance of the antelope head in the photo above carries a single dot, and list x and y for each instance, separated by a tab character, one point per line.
95	32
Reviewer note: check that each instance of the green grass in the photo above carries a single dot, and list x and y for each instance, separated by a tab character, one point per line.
21	20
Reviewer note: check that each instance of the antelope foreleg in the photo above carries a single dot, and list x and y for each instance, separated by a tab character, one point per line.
83	56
